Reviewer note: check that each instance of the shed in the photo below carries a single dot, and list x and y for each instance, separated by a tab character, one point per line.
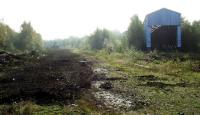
162	26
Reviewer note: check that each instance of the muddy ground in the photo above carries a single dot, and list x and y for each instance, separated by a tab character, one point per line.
58	75
111	97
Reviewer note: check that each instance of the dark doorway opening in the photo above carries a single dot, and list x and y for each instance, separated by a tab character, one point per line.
164	38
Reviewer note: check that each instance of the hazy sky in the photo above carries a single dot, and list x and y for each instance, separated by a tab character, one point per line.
64	18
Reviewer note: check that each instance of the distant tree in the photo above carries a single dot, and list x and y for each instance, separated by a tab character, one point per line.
190	35
85	42
3	35
37	41
135	33
123	44
9	42
98	40
7	36
71	42
196	34
28	39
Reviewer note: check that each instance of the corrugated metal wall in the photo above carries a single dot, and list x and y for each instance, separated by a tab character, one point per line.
162	17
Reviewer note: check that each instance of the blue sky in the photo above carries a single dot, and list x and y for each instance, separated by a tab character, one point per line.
64	18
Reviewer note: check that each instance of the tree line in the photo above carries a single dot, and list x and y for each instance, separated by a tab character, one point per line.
28	39
25	40
132	38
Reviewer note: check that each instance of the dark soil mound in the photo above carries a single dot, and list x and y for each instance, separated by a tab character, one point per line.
196	68
147	77
162	85
58	76
106	85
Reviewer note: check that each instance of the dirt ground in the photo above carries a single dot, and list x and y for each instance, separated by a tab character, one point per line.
157	83
77	82
58	75
64	78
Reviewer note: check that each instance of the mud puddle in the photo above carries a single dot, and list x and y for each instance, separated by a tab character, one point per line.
109	98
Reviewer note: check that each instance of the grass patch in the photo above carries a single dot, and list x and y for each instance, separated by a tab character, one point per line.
180	91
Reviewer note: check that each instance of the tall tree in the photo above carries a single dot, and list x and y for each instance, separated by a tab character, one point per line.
135	33
7	36
3	34
28	38
190	35
98	39
196	34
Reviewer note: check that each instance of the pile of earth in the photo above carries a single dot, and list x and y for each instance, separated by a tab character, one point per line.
7	58
58	76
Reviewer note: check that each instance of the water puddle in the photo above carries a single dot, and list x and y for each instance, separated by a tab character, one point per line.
110	99
106	97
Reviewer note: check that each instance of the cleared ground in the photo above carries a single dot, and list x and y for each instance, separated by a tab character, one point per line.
58	76
168	81
85	82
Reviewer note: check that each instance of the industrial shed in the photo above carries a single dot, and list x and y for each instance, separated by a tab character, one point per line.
163	29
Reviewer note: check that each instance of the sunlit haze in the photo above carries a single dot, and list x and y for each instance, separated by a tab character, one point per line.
55	19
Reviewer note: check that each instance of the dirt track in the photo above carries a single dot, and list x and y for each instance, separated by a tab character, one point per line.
60	75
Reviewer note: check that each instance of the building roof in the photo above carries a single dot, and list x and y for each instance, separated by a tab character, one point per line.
163	16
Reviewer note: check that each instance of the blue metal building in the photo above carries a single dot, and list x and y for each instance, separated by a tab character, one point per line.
159	18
